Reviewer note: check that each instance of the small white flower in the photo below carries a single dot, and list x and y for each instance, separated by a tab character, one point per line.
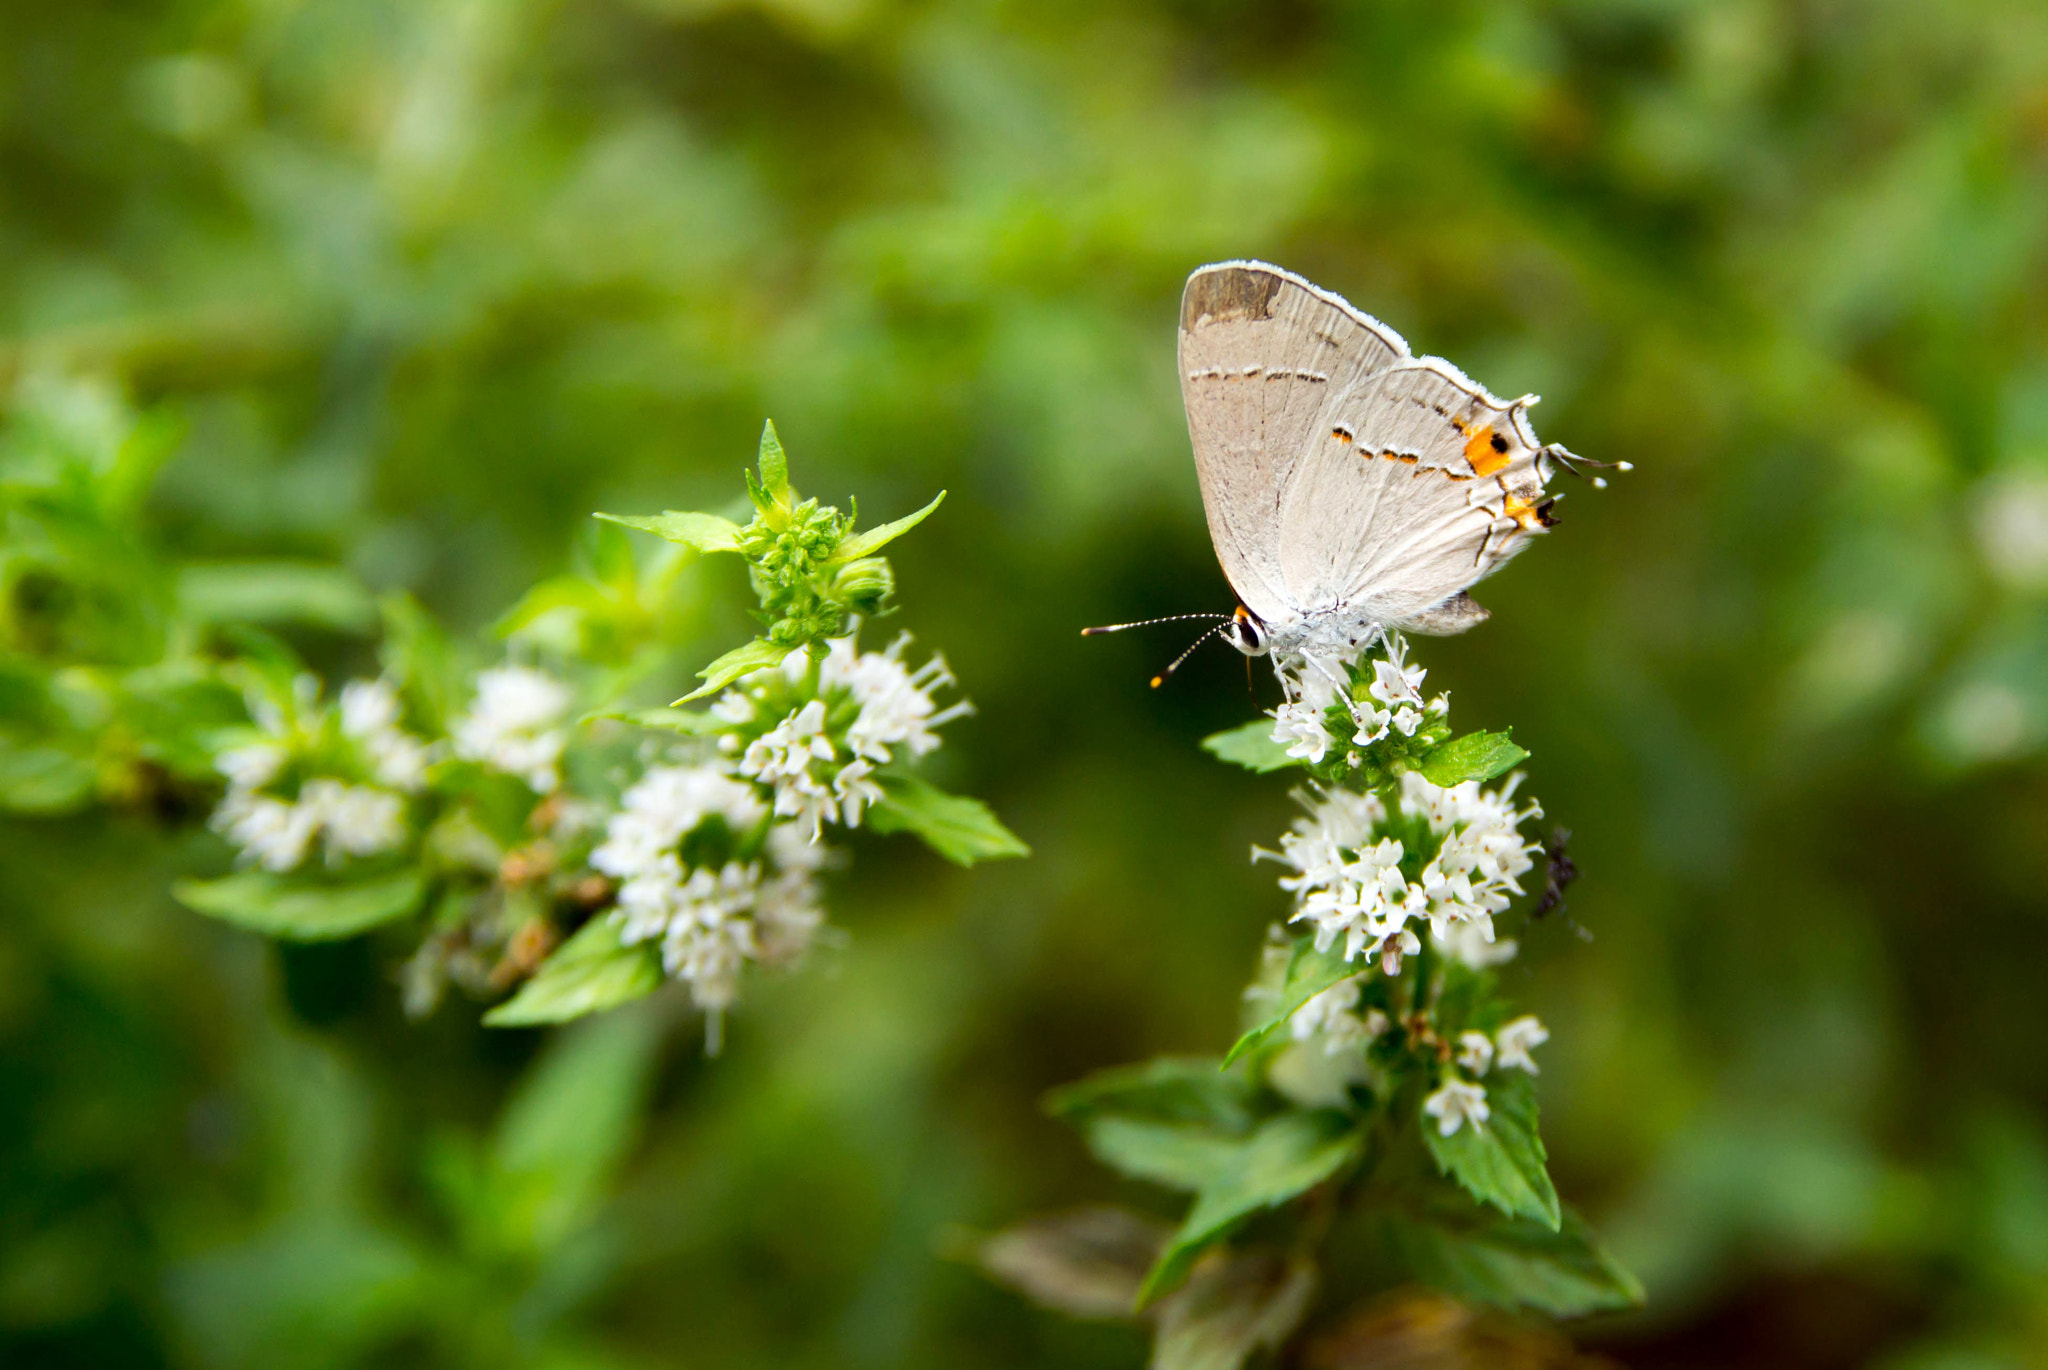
512	725
354	820
1298	725
1475	1052
370	713
1454	1103
664	805
1472	943
1395	681
253	766
272	834
1517	1039
855	790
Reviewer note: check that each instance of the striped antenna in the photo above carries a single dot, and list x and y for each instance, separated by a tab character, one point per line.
1148	622
1160	679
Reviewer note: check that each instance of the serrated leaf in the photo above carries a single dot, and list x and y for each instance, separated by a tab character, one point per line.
1309	973
774	464
591	971
1502	1161
1251	746
1476	1254
1283	1157
1230	1310
1475	756
1087	1263
958	828
700	532
301	910
874	539
757	655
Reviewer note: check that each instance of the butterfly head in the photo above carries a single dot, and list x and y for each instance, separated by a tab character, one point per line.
1246	633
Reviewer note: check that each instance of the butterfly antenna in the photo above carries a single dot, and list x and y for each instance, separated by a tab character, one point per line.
1160	679
1147	622
1575	464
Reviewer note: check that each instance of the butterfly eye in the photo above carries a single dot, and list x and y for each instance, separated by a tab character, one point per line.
1246	635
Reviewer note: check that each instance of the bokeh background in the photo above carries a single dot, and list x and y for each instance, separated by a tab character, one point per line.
424	281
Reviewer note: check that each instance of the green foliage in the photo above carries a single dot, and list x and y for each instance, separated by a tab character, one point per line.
1250	746
1510	1263
1309	972
1277	1161
1502	1162
593	971
1475	756
958	828
305	910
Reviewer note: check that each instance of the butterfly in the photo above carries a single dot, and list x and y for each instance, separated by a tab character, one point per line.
1352	488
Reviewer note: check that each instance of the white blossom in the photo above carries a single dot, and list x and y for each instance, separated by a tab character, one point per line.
1455	1102
271	832
253	766
664	805
354	820
1475	1052
1516	1040
1349	885
512	726
1298	725
1483	854
1472	943
370	713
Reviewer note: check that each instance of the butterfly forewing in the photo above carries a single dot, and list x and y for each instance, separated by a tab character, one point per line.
1261	354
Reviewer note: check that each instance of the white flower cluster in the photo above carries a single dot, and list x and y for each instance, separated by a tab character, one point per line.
345	819
1392	702
1458	1101
514	725
710	922
824	773
1349	884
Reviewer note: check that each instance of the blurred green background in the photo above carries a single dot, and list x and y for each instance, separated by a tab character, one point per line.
424	281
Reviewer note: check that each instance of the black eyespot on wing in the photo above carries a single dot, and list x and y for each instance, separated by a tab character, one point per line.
1500	443
1543	514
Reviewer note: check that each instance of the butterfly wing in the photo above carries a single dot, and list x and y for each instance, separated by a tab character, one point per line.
1261	354
1416	484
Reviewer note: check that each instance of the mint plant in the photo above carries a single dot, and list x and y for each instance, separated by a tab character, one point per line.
511	809
1375	1123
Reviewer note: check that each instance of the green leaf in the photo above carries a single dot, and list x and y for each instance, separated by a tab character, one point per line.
1502	1161
875	539
701	532
688	722
1177	1155
43	780
1286	1156
591	971
301	910
1230	1310
1252	747
1511	1263
572	1120
1172	1089
276	592
1475	756
754	656
774	464
1309	973
958	828
417	654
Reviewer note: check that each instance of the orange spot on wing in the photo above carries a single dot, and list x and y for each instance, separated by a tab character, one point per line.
1480	452
1534	516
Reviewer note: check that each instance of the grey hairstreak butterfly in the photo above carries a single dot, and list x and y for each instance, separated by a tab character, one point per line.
1352	488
